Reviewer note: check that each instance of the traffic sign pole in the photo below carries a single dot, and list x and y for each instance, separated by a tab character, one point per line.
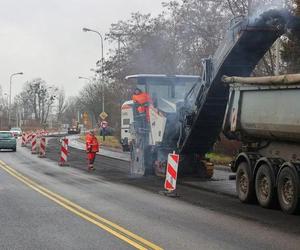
103	134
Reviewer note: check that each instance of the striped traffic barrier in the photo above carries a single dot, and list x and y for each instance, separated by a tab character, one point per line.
28	139
42	149
171	174
39	134
23	143
64	152
33	143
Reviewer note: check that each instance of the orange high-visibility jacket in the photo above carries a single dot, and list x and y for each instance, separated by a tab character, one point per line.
92	144
143	99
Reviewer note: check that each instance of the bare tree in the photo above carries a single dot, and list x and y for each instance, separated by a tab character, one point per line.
90	99
71	111
38	97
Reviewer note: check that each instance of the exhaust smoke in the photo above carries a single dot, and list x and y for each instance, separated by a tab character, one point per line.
258	7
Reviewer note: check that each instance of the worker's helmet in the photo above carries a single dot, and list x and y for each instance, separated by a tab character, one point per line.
93	131
137	91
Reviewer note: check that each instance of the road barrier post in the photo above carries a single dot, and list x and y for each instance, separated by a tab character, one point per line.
171	174
42	151
28	139
24	139
64	152
33	144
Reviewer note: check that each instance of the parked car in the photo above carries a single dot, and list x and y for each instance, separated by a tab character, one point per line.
16	131
8	141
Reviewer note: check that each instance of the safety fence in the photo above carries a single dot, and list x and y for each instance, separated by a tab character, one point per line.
37	142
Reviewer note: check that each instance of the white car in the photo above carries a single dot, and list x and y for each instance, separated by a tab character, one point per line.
16	132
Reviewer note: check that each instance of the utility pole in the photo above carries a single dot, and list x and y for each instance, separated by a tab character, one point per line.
277	55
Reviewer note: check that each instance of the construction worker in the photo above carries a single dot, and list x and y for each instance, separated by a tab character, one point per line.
143	101
92	147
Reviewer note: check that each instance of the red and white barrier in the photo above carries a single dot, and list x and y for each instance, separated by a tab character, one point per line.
64	152
171	174
29	138
42	150
24	139
33	144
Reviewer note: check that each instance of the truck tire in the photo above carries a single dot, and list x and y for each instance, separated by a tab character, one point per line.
264	186
288	190
244	183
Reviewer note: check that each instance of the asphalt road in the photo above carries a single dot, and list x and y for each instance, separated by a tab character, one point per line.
32	217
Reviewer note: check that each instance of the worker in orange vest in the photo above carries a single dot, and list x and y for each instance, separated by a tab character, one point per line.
92	147
143	101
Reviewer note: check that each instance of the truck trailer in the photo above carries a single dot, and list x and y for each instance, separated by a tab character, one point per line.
264	114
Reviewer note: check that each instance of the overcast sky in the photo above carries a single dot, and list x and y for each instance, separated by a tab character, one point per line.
44	38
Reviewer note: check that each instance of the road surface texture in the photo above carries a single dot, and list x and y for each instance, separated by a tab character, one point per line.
44	206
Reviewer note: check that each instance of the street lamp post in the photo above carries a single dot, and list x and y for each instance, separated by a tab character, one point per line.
10	82
102	62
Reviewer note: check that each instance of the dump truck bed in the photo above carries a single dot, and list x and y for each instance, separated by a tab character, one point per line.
266	110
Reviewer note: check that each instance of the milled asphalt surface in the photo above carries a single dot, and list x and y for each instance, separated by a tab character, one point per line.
196	220
219	183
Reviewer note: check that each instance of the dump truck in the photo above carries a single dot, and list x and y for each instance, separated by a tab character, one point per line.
264	114
74	128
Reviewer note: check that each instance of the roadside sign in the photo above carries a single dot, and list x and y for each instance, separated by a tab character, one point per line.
171	174
85	117
103	115
103	124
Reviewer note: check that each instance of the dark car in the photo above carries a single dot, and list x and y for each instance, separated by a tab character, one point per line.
8	141
74	130
108	131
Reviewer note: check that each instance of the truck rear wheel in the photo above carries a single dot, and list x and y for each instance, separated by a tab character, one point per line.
264	186
288	190
244	184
